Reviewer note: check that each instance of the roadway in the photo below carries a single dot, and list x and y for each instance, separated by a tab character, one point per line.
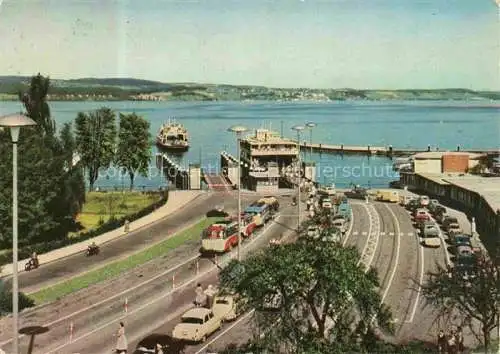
401	263
90	306
160	306
133	242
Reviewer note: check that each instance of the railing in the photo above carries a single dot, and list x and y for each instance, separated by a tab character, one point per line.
266	152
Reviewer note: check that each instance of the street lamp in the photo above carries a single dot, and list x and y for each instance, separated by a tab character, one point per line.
298	129
238	129
310	126
15	122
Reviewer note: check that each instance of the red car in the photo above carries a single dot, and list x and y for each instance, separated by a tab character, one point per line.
422	216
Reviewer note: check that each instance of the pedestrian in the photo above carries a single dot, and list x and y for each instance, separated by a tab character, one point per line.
459	338
121	341
198	301
127	226
452	343
158	349
441	342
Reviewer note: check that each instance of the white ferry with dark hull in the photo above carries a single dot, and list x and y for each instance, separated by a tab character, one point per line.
173	137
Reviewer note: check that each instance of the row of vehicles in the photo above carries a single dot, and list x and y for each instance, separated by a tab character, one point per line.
337	207
222	236
467	254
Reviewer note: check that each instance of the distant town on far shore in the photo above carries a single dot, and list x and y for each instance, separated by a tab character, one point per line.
118	89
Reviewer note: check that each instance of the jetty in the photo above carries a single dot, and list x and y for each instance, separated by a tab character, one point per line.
383	150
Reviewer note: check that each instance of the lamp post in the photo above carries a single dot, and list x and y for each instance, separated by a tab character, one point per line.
15	122
298	129
238	129
310	126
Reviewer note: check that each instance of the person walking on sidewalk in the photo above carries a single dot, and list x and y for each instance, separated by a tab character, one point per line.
121	341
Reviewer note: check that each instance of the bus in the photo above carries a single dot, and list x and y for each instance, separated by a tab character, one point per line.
220	237
262	211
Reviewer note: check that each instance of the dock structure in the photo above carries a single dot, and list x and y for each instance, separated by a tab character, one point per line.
381	150
178	176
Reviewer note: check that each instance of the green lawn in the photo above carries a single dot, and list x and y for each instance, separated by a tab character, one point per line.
114	269
100	206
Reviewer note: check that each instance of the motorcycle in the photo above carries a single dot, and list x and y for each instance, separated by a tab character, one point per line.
92	251
32	264
294	201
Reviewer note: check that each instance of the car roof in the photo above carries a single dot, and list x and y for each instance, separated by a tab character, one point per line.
197	312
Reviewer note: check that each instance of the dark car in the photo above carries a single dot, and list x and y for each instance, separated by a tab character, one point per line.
461	240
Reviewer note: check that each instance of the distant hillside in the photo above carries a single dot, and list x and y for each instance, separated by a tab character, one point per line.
137	89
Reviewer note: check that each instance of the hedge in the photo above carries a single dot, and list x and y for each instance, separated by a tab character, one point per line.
110	225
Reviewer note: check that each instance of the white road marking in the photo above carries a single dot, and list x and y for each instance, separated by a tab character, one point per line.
396	261
420	281
382	233
349	231
411	233
355	233
391	233
238	321
364	233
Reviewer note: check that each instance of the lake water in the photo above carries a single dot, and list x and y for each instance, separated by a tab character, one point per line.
401	124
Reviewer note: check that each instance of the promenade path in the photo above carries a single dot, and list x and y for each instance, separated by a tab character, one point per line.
176	200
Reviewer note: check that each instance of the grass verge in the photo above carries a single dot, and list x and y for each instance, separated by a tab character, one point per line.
99	207
114	269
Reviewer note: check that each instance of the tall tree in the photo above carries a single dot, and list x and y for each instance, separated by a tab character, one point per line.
134	152
35	103
298	291
45	194
475	295
95	141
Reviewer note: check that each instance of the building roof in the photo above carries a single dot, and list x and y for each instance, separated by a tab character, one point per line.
487	187
435	177
430	155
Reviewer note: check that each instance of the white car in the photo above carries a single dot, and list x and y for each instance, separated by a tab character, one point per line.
340	224
224	307
431	241
196	325
312	231
424	201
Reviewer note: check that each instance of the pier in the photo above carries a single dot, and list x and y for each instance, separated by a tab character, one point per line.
178	176
382	150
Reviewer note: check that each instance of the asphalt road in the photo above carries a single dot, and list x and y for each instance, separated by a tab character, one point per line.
133	242
160	316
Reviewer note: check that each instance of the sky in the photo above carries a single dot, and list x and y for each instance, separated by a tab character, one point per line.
362	44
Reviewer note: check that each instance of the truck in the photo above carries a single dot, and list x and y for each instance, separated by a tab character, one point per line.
387	196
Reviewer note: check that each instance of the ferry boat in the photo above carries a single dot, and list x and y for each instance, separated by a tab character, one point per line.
172	136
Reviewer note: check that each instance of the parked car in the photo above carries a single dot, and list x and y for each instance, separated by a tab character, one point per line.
226	307
449	220
464	251
313	231
421	215
429	229
340	224
424	200
460	240
431	241
433	203
454	228
438	209
326	203
413	205
196	325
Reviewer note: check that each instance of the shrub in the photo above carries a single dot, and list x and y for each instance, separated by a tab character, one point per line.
112	224
6	300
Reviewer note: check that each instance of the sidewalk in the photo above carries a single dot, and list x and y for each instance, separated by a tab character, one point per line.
176	200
